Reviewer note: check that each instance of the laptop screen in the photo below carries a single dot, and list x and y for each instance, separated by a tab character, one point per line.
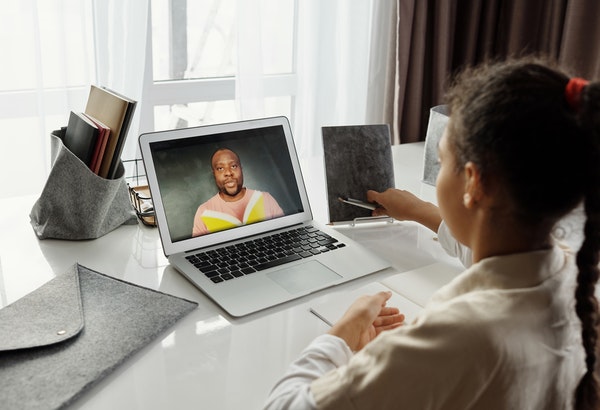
216	183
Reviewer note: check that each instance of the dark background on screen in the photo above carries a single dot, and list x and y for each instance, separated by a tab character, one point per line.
185	177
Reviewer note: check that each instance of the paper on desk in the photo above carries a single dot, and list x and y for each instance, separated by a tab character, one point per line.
332	307
418	285
410	292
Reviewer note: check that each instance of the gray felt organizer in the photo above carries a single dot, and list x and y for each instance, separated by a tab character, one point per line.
78	204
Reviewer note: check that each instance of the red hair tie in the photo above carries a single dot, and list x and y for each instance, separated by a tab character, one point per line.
573	92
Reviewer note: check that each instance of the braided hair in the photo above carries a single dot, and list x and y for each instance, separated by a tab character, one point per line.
528	124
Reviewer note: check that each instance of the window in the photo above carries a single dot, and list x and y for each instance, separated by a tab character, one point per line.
189	62
203	50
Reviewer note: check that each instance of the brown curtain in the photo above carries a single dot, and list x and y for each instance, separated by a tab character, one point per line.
434	38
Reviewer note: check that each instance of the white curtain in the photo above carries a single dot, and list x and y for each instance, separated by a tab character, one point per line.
340	61
333	62
332	65
121	32
249	84
52	51
337	64
47	64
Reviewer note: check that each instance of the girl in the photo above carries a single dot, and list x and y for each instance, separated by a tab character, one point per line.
517	329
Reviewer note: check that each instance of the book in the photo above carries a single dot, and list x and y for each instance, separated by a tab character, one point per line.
411	290
80	136
100	147
115	112
357	158
131	104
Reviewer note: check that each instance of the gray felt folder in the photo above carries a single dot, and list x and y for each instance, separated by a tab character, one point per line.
58	341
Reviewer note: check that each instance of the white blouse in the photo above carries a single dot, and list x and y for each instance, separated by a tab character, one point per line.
503	334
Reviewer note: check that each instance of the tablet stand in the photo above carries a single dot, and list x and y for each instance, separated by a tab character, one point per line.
365	219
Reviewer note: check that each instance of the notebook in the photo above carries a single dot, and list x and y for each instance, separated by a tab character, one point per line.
213	241
357	158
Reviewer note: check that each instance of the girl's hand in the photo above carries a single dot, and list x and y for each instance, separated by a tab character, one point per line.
365	319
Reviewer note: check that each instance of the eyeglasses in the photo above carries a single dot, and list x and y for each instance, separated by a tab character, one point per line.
139	194
142	203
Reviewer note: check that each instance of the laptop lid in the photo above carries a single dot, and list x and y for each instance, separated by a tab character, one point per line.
180	176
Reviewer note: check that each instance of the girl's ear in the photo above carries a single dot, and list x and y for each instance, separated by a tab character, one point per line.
473	190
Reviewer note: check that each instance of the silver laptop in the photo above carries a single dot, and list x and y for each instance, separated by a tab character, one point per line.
234	217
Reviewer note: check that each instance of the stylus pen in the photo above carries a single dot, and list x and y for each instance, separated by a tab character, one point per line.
359	203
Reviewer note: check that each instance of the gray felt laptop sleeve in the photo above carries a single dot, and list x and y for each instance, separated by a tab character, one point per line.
58	341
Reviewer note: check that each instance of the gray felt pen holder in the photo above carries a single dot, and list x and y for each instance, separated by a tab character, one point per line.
78	204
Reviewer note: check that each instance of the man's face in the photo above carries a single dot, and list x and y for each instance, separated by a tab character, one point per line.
227	171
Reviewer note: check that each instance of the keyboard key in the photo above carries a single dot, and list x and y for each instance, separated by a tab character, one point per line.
208	268
277	262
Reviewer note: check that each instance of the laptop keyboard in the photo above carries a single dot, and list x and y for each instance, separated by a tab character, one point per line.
245	258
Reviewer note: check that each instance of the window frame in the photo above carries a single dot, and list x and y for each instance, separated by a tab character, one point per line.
183	91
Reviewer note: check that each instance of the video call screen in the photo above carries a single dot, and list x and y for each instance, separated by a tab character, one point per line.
185	179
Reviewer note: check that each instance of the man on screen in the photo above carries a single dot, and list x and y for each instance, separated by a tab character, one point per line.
234	204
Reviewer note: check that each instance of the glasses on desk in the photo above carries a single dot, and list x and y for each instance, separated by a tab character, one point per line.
139	194
142	203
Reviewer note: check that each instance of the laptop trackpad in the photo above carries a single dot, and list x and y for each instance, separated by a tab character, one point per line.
300	278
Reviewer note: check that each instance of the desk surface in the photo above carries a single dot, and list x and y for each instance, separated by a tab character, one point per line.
208	359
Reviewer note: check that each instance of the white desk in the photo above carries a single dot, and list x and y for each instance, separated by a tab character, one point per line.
208	360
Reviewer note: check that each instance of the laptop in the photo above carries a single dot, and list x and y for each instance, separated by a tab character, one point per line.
218	244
